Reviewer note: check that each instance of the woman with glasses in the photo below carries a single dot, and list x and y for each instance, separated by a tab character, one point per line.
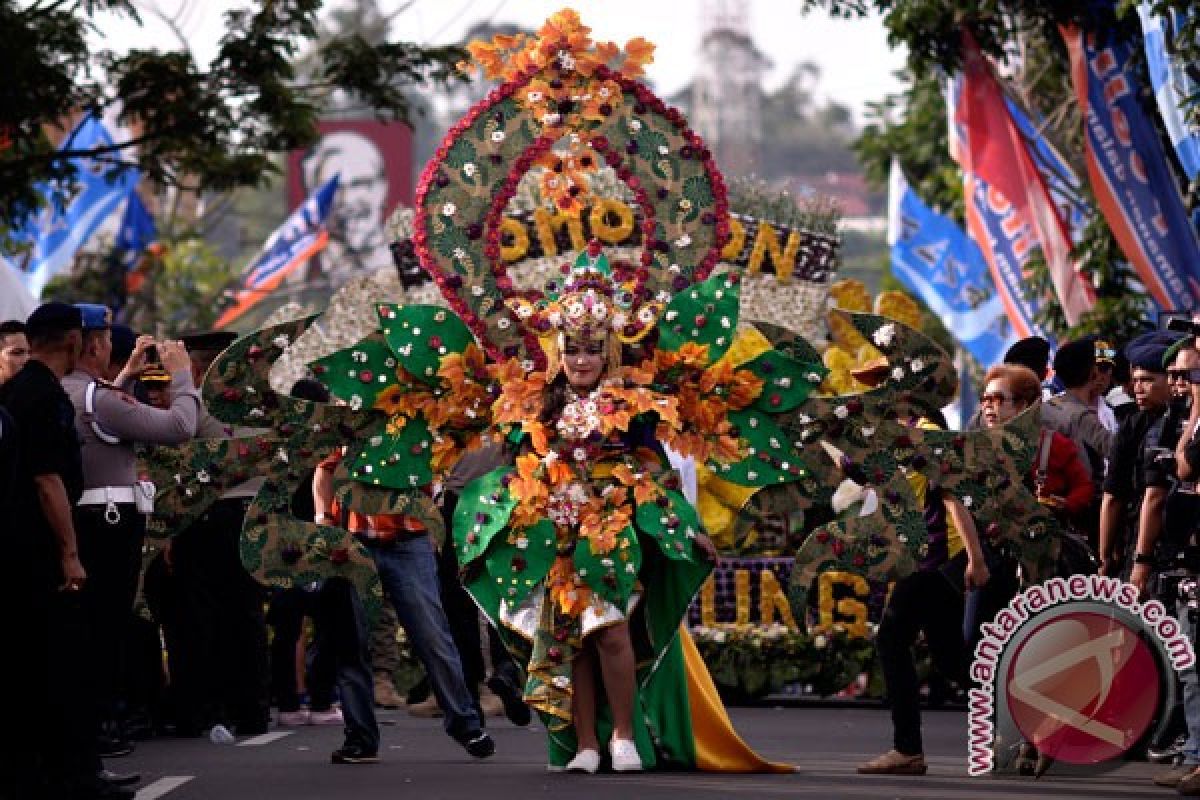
1059	478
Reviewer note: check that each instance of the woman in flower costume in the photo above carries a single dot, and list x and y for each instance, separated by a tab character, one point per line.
585	552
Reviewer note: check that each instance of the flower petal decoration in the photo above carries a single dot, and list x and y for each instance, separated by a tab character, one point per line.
358	375
786	382
521	560
770	458
399	459
483	509
672	522
613	574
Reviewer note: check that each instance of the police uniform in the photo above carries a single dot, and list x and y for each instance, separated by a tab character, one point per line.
47	641
109	525
1131	461
215	626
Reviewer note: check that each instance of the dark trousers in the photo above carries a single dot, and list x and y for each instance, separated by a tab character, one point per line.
923	602
111	553
215	629
50	750
342	641
285	615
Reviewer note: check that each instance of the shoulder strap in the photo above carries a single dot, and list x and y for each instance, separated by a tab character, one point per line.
1045	440
89	412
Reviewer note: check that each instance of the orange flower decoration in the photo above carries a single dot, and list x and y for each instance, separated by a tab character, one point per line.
520	393
567	592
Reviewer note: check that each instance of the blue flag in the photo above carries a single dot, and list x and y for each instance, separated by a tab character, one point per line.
935	260
1174	83
301	236
57	232
137	232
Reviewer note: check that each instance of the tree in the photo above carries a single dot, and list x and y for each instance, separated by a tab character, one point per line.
1023	37
203	128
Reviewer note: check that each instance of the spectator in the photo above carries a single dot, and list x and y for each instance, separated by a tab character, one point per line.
1059	476
14	348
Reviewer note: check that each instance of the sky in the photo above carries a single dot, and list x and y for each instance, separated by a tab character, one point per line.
856	64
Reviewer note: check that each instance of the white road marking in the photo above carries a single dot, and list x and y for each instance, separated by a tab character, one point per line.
266	738
161	786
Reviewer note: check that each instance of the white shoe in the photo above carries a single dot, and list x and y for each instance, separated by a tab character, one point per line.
625	756
294	719
330	716
586	761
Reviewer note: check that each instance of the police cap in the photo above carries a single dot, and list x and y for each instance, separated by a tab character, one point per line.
1148	350
155	376
208	341
95	316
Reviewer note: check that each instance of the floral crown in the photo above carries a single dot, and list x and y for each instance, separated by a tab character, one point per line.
592	300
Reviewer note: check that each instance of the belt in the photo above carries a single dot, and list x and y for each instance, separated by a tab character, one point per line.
109	497
104	495
372	536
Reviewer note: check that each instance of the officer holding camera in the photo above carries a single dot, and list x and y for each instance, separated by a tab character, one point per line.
110	516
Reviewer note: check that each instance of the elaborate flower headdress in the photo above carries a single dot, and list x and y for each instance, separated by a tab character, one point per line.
568	106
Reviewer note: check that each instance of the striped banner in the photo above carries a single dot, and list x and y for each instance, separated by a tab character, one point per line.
994	152
1130	174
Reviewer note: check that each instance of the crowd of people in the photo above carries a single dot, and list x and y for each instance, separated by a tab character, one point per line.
79	397
1115	462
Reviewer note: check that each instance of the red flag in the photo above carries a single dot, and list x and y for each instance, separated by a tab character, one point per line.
996	153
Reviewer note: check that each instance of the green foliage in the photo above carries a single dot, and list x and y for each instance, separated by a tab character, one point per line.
178	292
911	126
803	136
213	127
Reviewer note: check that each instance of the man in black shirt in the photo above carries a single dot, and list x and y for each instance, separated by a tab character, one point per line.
43	596
1130	467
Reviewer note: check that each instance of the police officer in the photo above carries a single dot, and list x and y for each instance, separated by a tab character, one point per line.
43	595
1131	462
110	513
1173	548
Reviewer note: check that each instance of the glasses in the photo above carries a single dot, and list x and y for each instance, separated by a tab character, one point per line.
1191	375
999	398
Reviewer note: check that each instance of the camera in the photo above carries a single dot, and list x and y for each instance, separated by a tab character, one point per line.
152	355
1184	325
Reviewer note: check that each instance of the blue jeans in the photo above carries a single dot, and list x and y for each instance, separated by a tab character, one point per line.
408	571
1190	679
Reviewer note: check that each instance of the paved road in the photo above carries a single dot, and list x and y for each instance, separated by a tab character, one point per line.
419	761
